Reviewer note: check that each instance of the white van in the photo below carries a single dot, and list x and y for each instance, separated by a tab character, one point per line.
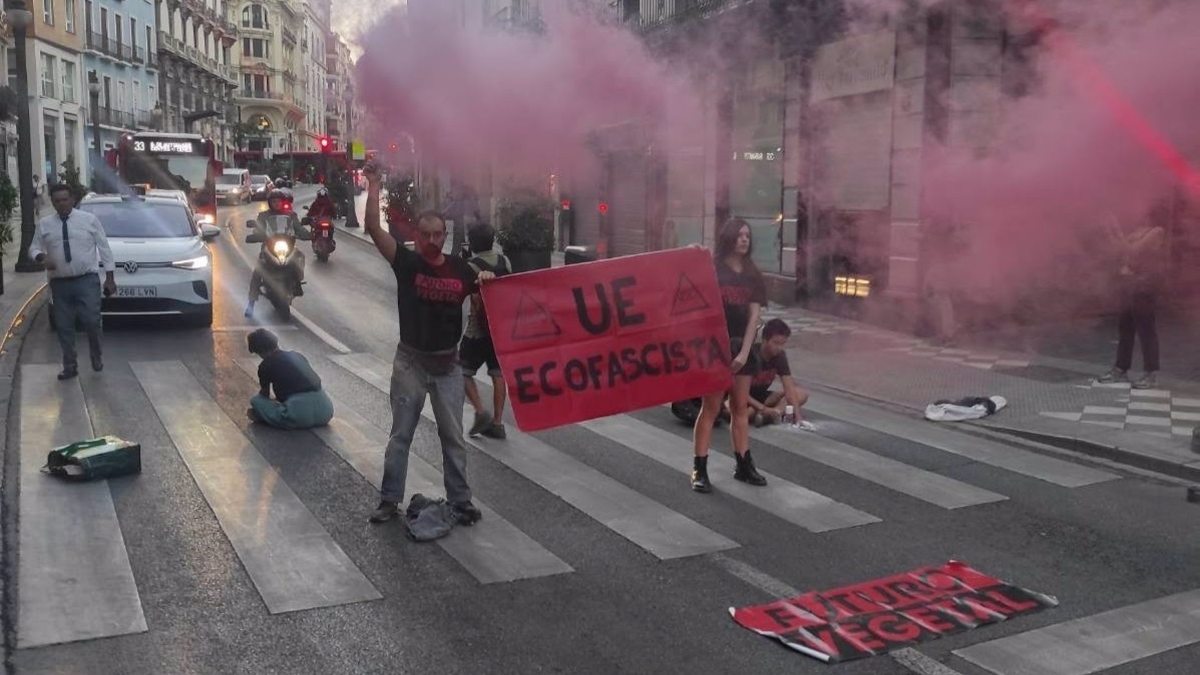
233	186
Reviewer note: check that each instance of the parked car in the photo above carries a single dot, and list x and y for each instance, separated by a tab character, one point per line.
260	186
233	186
163	266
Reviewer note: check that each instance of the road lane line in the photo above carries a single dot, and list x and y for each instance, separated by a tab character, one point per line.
811	510
766	583
891	474
1094	643
292	561
1032	464
492	551
664	533
918	663
798	505
74	580
320	333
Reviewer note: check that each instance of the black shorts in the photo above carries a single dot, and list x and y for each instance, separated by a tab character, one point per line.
475	352
752	364
760	394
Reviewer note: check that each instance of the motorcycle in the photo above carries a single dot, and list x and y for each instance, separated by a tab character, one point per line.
321	227
322	239
278	266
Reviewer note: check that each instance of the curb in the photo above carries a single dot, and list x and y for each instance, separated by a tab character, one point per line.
11	345
1109	453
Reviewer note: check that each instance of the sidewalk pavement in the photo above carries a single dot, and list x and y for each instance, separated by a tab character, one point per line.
1050	398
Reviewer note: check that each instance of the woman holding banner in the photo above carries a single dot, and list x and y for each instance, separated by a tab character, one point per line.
743	293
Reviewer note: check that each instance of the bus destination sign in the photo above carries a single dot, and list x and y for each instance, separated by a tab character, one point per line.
174	147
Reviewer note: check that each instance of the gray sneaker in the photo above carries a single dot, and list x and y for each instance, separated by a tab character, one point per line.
1114	375
1148	381
384	512
496	430
482	422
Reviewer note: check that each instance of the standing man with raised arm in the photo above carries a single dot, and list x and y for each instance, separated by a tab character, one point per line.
430	290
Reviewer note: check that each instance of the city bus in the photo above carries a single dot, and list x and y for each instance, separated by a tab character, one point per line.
167	161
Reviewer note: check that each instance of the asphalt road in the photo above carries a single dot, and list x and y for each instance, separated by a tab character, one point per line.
621	610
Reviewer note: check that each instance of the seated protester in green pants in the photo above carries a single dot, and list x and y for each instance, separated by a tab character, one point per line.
766	406
299	402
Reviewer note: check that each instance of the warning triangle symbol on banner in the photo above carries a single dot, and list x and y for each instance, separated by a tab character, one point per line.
533	320
688	298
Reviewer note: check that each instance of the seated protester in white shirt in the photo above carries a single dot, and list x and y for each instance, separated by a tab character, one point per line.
767	406
71	244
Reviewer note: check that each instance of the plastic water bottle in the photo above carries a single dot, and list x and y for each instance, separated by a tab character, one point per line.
789	415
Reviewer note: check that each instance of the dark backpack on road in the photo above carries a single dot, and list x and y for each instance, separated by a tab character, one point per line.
500	269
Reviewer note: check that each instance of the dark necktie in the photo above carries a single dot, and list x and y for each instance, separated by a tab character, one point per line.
66	240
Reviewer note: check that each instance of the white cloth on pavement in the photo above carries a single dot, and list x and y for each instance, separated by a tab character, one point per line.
964	409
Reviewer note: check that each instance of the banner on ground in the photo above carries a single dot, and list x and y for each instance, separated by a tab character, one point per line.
878	616
596	339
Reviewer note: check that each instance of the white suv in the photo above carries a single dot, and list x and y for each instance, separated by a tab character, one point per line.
164	267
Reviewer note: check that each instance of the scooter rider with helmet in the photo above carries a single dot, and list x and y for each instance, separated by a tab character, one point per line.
322	206
279	204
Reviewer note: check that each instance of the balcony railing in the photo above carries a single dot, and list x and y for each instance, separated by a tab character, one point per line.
109	46
288	35
145	119
116	118
670	11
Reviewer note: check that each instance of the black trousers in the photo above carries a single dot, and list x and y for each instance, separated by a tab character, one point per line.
1137	319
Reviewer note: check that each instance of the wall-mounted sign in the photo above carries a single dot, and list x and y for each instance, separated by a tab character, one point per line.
856	65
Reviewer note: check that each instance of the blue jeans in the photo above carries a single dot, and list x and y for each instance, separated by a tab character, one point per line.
411	382
300	411
76	300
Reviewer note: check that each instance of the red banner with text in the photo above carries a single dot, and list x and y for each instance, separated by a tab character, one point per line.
878	616
600	338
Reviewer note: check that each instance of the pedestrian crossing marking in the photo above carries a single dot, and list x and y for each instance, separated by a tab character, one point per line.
493	551
664	533
1096	642
910	480
292	561
811	510
74	580
1016	460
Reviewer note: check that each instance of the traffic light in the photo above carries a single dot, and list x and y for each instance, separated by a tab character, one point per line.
394	147
325	143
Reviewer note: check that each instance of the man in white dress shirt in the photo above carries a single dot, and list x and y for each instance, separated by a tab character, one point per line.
73	247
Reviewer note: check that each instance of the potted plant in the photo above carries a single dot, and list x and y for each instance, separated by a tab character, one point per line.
526	232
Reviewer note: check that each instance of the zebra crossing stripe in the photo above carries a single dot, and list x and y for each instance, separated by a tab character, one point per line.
664	533
1096	642
290	558
1016	460
74	581
910	480
493	551
811	510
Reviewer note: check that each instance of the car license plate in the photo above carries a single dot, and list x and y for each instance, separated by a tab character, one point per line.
137	292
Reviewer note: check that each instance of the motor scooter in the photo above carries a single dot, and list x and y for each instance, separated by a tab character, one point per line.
278	266
321	227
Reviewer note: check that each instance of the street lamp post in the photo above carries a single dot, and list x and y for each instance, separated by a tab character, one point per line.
21	18
98	156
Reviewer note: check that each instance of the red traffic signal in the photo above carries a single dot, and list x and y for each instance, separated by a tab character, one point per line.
603	208
324	142
393	147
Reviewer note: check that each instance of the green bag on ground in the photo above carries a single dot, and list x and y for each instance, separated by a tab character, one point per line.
95	459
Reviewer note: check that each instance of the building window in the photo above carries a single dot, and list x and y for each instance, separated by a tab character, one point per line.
87	16
48	12
133	33
47	76
256	47
70	21
255	16
68	82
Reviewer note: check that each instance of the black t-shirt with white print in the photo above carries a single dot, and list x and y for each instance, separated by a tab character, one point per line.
738	290
430	299
769	369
